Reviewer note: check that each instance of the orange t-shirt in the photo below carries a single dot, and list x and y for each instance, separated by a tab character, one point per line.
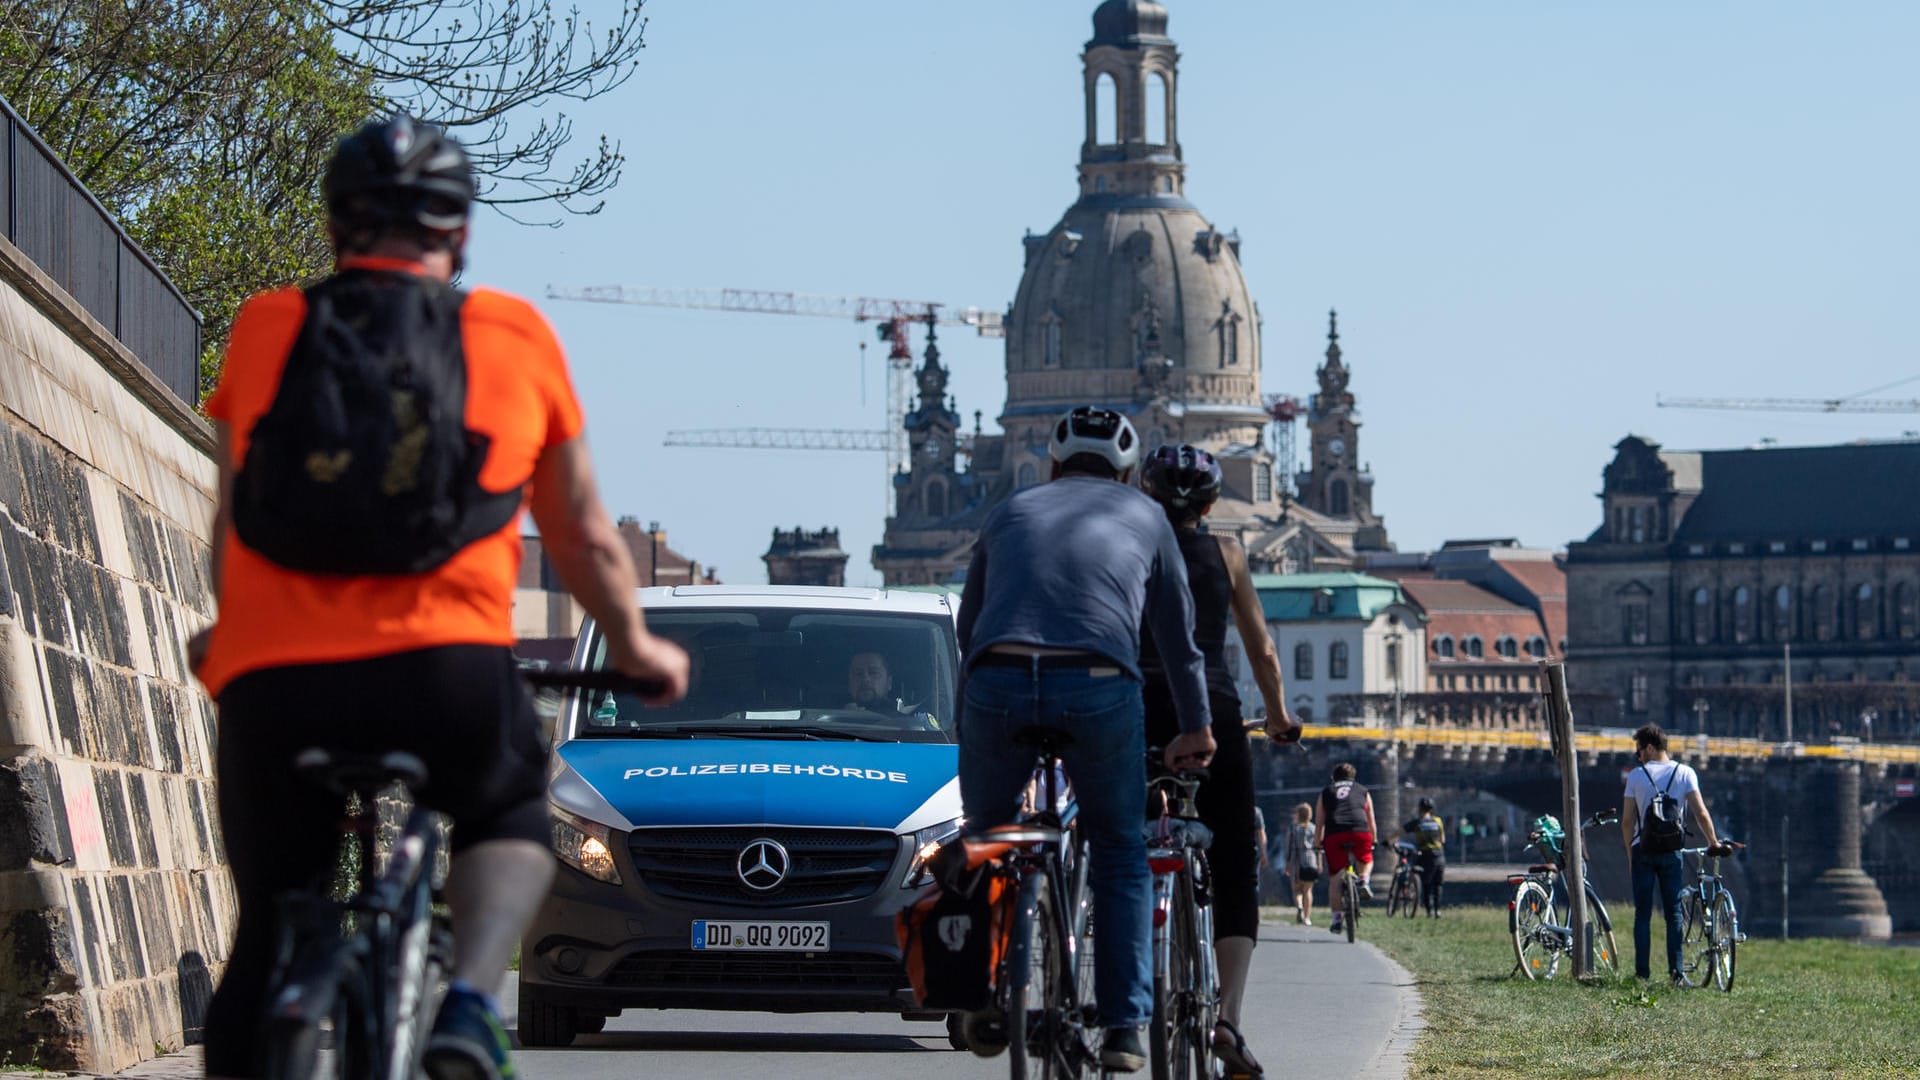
518	392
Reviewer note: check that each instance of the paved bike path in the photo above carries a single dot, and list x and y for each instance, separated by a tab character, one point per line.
1316	1006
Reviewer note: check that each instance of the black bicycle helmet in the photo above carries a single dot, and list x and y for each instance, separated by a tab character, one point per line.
1184	479
1102	432
1426	804
397	171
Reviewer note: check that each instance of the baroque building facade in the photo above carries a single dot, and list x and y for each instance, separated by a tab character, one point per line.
1715	574
1132	301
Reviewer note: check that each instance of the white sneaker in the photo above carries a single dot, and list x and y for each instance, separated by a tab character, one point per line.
1366	890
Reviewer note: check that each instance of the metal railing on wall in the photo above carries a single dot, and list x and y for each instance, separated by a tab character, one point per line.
58	223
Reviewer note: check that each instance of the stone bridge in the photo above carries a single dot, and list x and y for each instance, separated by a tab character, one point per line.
1850	823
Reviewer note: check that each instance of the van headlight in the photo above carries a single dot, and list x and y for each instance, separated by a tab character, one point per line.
925	843
585	846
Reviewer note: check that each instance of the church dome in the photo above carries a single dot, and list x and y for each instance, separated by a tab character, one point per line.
1134	300
1126	22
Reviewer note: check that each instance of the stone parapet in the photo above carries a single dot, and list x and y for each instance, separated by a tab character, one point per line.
115	905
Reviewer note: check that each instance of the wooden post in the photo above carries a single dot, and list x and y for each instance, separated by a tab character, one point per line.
1560	723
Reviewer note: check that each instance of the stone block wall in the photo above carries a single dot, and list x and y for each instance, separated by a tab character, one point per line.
115	906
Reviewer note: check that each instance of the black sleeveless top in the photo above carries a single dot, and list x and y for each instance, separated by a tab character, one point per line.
1212	589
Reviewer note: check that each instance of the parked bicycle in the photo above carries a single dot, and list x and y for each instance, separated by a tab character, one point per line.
1403	896
1712	936
1186	981
1540	912
1043	1004
372	966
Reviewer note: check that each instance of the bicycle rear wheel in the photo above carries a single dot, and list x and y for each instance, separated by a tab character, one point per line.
1350	886
1410	902
1527	913
1725	938
1027	945
1177	1048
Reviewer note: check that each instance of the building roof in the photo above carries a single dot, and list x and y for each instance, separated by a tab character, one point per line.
1285	597
1805	492
1462	609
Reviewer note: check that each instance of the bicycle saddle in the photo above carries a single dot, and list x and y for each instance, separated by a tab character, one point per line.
365	775
1047	739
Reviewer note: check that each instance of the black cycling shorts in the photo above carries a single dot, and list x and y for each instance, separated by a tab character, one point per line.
463	710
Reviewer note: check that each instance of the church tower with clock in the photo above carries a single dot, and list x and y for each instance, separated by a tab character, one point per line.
1335	484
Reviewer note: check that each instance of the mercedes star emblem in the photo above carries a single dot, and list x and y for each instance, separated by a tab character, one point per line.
763	865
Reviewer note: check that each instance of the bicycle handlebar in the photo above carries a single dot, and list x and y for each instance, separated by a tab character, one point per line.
576	679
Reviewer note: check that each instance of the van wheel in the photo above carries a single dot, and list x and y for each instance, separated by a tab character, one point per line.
590	1023
956	1032
543	1024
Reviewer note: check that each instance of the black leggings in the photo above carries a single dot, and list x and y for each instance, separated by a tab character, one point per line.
1226	806
1433	872
463	710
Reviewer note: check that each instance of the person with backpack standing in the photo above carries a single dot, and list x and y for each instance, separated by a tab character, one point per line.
1430	837
379	434
1661	796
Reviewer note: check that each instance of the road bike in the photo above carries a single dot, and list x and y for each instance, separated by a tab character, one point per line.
1712	936
1540	912
371	968
1409	882
1186	980
1348	884
1043	1004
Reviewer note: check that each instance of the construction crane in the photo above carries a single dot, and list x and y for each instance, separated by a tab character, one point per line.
893	317
793	439
1813	405
1282	411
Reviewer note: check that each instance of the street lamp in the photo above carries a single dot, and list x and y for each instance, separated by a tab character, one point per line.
1867	716
1700	710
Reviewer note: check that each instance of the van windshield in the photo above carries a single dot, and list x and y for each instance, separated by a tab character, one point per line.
795	674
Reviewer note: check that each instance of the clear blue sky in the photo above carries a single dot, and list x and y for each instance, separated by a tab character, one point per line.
1533	217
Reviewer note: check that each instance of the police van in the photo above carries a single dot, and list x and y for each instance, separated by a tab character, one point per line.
747	848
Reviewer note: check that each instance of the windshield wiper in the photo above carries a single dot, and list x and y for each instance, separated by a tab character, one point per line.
781	731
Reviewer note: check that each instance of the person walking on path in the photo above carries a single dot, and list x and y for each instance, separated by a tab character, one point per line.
1662	796
1302	863
1430	838
364	559
1346	820
1050	622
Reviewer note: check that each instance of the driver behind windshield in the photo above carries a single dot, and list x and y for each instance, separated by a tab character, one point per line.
870	687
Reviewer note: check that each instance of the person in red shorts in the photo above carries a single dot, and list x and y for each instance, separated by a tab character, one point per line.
1345	818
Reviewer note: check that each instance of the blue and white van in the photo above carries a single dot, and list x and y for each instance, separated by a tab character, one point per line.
748	847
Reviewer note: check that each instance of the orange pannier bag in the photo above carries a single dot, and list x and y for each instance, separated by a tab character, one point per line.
953	933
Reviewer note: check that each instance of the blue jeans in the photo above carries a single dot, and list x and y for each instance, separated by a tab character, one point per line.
1107	763
1666	871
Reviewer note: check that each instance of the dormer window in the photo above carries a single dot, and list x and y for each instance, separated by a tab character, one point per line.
1473	647
1537	647
1507	648
1323	602
1443	647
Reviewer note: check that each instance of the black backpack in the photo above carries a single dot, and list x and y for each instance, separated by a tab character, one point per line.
1663	830
363	464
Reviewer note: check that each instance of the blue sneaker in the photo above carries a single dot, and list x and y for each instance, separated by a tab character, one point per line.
468	1041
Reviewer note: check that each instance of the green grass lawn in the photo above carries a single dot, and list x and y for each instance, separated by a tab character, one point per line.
1801	1008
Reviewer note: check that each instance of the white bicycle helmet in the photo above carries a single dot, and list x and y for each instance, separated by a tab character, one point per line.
1087	430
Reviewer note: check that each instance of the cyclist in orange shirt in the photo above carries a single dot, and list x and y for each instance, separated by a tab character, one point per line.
313	648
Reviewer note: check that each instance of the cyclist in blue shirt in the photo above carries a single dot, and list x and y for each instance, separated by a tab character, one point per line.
1049	623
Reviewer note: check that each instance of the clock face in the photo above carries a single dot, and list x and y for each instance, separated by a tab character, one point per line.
1336	446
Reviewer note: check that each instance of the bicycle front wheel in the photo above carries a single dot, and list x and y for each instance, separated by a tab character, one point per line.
1180	1042
1527	914
1725	936
1606	955
1695	945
